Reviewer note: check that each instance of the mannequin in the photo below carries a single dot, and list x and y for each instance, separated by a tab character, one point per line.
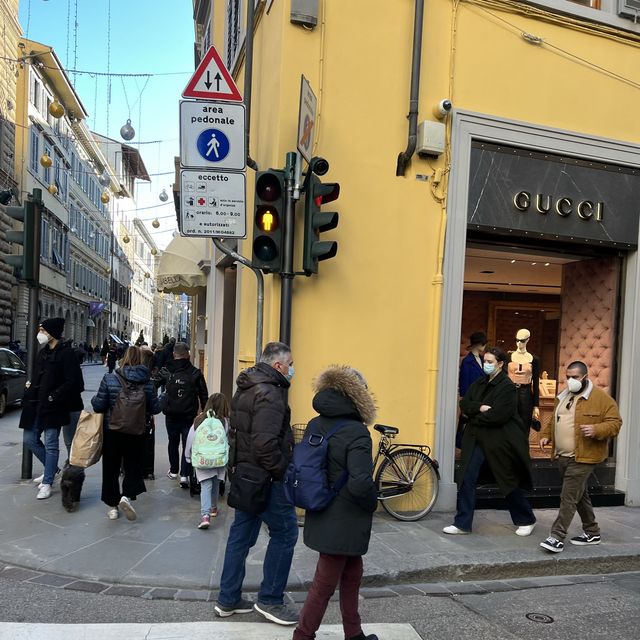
524	372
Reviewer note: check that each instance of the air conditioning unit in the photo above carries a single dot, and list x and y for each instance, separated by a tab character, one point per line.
431	138
304	12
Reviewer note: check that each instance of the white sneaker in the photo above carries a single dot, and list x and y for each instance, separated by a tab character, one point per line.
39	479
56	476
45	492
127	508
525	530
113	514
452	530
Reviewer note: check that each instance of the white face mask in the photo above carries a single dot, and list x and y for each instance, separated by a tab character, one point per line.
574	385
42	338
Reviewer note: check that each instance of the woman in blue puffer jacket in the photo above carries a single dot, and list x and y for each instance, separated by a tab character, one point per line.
123	450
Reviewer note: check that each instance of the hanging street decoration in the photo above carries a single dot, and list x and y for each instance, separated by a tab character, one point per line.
127	131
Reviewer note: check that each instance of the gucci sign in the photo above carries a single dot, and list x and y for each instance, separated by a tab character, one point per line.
564	207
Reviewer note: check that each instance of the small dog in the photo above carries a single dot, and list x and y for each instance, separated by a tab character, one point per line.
71	487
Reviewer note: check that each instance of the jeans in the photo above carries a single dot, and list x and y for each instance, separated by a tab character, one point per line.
48	452
69	430
517	503
331	571
574	496
280	518
177	430
208	495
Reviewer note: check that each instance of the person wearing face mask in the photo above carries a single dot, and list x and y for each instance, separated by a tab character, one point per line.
493	435
261	447
57	382
584	419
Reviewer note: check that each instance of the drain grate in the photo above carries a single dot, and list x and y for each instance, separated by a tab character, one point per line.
539	617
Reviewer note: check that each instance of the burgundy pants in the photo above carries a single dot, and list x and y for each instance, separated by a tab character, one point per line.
332	571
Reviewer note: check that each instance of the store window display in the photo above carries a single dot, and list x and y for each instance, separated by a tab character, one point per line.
524	371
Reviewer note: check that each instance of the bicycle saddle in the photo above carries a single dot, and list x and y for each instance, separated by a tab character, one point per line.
385	430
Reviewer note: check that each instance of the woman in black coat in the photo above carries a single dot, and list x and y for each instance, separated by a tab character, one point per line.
341	532
494	434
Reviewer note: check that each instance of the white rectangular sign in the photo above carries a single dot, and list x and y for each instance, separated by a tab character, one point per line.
212	135
213	204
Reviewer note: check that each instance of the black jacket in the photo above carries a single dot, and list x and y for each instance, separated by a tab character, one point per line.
344	527
55	388
183	366
497	431
260	429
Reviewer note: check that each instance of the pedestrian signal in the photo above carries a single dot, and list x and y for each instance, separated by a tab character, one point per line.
269	203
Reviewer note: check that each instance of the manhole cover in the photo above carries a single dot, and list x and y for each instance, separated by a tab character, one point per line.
539	617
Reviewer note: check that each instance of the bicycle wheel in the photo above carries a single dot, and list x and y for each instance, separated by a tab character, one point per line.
407	484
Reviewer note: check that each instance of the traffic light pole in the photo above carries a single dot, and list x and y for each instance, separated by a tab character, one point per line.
287	275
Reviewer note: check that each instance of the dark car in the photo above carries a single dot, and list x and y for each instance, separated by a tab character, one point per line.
13	376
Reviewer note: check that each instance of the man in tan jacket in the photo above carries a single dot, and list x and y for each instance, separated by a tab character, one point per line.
584	419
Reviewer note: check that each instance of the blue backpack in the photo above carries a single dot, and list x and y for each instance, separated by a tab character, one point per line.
306	481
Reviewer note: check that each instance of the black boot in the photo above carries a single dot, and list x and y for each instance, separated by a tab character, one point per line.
361	636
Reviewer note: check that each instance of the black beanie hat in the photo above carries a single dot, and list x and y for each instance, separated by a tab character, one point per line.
54	327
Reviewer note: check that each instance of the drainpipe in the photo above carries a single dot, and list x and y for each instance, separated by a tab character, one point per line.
248	77
405	157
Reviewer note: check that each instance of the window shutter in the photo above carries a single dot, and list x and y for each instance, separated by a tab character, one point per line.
629	9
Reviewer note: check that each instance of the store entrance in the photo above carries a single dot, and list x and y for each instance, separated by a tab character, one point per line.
568	299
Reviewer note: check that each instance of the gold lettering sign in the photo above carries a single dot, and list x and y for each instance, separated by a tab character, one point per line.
563	206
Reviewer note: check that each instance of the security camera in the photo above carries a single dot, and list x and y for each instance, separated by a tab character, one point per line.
319	165
442	109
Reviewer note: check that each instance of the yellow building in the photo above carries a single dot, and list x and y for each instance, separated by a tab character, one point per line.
527	216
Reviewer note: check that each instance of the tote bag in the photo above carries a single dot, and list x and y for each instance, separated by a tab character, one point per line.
86	447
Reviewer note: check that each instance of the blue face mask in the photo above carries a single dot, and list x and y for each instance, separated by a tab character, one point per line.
290	373
489	367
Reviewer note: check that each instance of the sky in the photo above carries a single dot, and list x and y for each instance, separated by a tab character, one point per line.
147	37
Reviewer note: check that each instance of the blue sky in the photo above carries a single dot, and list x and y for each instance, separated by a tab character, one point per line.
146	36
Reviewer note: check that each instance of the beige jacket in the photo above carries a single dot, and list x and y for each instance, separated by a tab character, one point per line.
594	407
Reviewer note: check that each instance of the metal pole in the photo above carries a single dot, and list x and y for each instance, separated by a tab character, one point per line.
260	282
287	275
248	77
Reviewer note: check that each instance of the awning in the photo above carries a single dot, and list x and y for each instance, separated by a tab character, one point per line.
178	271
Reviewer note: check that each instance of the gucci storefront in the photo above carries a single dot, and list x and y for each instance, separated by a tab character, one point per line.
543	235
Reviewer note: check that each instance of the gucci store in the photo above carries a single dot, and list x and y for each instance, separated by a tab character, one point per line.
542	236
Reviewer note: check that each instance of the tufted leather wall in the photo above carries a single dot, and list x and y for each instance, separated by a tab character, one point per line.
589	317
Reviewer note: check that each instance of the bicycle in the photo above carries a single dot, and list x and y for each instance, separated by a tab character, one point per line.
407	478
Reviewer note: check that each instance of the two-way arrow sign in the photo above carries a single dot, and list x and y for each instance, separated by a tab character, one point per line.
201	85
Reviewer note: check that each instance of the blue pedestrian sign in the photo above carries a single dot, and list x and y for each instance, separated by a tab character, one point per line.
212	135
213	145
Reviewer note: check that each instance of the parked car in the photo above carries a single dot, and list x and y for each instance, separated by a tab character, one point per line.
13	376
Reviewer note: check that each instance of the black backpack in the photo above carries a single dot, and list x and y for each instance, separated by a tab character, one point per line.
129	414
181	394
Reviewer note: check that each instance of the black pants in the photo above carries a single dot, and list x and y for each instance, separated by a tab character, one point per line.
121	450
177	430
525	408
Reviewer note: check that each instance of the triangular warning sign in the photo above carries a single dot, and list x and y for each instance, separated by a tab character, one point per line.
212	80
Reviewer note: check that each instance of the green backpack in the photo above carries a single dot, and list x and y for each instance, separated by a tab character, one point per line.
210	449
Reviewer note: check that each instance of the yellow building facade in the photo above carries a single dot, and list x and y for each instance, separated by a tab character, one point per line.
544	80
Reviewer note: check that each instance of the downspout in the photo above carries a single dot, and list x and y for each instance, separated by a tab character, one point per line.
405	157
248	78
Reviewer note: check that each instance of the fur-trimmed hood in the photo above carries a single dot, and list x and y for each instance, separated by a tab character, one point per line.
342	391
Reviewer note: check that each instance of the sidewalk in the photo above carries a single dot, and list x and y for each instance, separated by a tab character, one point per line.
164	550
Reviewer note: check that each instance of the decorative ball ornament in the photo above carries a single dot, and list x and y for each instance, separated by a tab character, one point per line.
104	198
104	180
127	131
154	252
45	160
156	223
56	109
107	270
52	189
147	275
164	196
126	239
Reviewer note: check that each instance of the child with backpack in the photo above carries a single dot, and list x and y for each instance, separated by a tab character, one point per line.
340	532
207	449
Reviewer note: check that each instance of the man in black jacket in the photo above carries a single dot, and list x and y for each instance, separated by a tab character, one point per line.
57	378
260	437
185	396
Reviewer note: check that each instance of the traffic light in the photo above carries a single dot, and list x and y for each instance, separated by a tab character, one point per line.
317	221
268	221
27	264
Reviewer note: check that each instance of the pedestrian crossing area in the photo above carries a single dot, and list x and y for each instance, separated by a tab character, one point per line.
191	630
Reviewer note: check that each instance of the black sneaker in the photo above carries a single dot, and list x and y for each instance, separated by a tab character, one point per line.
586	539
278	613
242	606
552	544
